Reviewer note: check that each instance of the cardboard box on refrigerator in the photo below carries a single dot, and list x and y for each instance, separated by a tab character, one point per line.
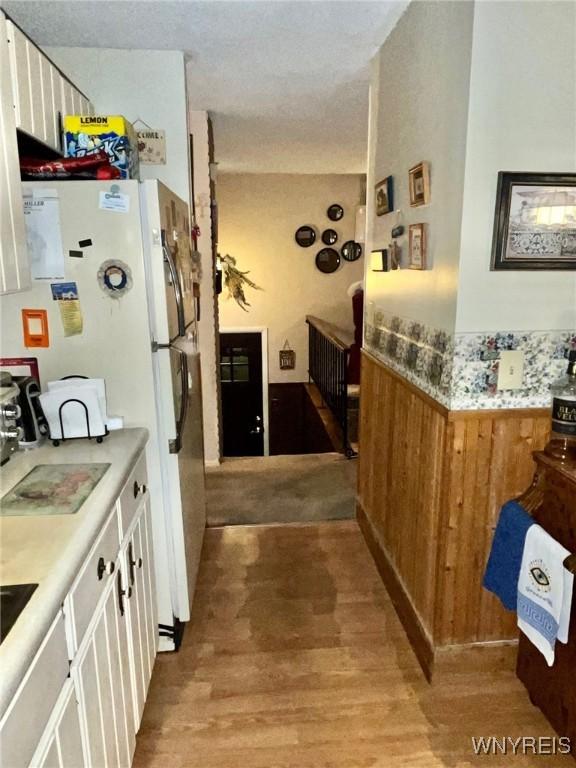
88	134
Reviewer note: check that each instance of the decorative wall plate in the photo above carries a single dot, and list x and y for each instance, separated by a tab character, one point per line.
335	212
329	236
351	251
327	260
115	278
305	236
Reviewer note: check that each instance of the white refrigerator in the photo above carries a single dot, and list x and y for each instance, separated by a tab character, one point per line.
139	334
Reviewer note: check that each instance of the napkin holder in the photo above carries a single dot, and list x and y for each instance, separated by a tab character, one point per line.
74	412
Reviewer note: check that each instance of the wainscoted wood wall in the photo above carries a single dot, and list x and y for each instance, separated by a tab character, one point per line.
430	485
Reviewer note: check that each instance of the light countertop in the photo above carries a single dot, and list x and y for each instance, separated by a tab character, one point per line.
49	550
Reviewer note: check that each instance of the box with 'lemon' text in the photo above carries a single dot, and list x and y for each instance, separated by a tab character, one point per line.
90	134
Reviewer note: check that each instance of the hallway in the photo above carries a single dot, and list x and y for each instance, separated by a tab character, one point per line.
281	489
295	659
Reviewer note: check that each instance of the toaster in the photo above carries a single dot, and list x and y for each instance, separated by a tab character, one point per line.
10	432
31	420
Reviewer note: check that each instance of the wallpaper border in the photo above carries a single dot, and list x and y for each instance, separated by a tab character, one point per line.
461	371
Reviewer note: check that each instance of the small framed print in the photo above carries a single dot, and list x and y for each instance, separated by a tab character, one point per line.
419	184
417	246
535	221
384	196
380	260
287	357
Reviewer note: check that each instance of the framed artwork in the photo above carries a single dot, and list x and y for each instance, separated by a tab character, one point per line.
287	357
535	221
384	196
417	246
419	184
380	260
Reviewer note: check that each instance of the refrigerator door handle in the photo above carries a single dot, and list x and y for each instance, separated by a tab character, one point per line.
176	444
169	259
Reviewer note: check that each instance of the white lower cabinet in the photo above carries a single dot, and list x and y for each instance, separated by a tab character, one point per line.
26	719
141	607
120	653
99	689
61	745
112	643
50	758
113	666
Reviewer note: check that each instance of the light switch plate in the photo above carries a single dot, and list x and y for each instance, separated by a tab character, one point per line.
511	370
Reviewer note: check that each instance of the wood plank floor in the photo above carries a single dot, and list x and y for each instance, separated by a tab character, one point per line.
295	659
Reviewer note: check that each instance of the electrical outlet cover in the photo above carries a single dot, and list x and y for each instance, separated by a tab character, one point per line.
511	369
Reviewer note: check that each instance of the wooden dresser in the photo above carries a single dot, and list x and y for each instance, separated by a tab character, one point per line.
553	689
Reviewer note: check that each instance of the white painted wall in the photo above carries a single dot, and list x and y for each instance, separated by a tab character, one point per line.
418	111
150	85
473	88
208	325
522	117
258	215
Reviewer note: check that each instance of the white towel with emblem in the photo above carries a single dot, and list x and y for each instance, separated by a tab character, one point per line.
544	592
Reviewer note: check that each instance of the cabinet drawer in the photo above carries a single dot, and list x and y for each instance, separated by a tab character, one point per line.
131	497
24	722
97	571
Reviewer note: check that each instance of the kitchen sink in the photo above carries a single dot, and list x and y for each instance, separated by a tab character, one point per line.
13	600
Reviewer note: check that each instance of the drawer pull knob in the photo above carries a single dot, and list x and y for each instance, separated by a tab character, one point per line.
104	567
137	563
137	488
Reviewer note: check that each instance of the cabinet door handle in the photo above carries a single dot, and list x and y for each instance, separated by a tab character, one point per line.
137	488
121	592
104	567
131	562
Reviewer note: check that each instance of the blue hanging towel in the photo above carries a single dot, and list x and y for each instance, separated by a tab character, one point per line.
503	567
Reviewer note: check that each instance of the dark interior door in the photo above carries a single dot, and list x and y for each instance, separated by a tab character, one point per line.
241	386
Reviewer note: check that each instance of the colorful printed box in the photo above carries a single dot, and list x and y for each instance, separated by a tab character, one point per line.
88	134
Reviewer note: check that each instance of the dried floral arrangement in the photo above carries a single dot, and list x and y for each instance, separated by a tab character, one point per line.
235	281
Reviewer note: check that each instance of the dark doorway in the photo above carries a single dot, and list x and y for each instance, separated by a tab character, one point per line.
241	386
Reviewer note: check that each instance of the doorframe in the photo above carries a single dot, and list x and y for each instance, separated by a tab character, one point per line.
263	331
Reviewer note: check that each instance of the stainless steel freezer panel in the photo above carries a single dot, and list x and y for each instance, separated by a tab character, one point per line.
177	255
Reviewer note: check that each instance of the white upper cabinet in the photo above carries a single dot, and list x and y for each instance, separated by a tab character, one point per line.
34	95
42	95
14	269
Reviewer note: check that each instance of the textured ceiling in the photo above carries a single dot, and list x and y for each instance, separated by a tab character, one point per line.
286	82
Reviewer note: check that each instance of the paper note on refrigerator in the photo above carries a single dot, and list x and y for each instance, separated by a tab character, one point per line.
43	233
66	294
114	201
